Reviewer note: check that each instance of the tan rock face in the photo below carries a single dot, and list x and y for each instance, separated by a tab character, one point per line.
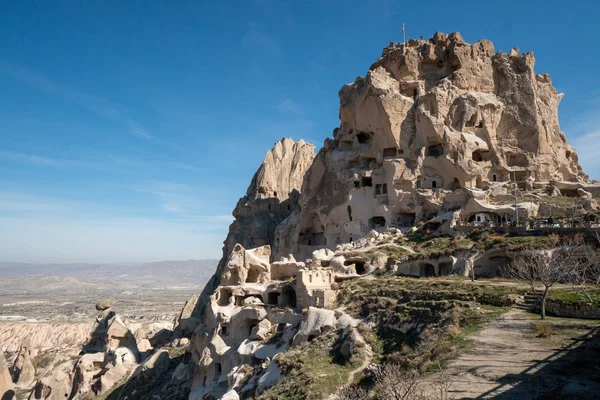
6	385
271	197
23	371
430	124
433	132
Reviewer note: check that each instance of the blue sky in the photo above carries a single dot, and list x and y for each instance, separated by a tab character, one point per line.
128	130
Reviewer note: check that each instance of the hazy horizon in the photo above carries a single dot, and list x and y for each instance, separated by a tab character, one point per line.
130	132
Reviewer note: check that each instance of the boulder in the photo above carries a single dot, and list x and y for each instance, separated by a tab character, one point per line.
321	256
104	304
262	330
271	377
584	194
230	395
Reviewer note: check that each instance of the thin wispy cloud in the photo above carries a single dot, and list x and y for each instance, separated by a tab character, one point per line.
256	39
99	106
30	159
139	131
289	106
29	76
172	197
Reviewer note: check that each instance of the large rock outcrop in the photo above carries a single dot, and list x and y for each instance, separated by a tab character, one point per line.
271	197
434	126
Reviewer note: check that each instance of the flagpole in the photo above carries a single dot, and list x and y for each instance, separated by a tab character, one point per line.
404	34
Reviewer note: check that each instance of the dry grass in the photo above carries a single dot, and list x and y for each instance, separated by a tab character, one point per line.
544	329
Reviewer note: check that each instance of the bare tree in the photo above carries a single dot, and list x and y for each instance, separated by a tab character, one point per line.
393	382
470	256
548	267
353	392
397	383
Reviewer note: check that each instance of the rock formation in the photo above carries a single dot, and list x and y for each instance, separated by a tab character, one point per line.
436	136
6	385
435	140
271	197
436	126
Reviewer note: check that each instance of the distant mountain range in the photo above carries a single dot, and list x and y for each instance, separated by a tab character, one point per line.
188	273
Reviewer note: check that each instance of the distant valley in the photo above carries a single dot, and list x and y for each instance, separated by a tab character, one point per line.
68	292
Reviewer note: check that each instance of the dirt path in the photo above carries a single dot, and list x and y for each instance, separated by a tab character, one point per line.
366	361
507	361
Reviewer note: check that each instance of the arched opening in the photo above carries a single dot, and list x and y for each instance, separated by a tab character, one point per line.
363	138
273	298
455	184
224	297
427	270
311	337
360	267
224	331
477	156
376	222
288	297
404	219
494	178
433	184
445	268
472	121
218	371
380	189
389	152
253	274
435	151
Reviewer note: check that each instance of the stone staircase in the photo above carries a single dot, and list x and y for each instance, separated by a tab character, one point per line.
531	302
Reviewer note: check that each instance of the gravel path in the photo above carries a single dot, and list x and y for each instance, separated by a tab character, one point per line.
507	361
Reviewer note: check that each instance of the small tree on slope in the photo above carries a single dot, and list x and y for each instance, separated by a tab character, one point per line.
546	267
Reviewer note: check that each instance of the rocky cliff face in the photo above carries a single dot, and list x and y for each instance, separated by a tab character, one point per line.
437	134
271	197
434	126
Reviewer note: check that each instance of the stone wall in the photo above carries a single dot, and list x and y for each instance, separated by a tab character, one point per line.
572	310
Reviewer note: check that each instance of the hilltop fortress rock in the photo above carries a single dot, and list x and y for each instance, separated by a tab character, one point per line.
434	127
435	136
